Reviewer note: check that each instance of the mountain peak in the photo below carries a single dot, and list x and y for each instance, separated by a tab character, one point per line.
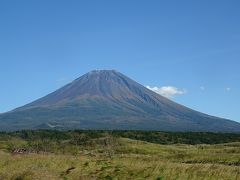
99	72
102	71
96	74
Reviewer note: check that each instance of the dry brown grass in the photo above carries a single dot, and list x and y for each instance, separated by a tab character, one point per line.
129	159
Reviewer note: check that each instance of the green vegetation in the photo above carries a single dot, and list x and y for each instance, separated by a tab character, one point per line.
45	154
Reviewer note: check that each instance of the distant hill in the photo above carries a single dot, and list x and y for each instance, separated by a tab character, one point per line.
107	99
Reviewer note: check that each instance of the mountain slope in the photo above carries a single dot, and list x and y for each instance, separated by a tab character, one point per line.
110	100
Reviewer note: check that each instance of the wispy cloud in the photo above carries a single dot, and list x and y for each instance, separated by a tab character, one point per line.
227	89
62	81
202	88
168	91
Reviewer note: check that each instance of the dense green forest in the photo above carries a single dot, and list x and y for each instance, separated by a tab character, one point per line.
149	136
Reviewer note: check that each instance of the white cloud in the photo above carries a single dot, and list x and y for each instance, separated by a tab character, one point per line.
168	91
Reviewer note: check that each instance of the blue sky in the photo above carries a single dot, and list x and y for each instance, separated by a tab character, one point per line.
192	47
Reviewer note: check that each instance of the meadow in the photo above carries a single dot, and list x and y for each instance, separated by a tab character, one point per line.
119	155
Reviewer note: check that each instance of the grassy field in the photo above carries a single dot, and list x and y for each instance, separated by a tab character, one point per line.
112	157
